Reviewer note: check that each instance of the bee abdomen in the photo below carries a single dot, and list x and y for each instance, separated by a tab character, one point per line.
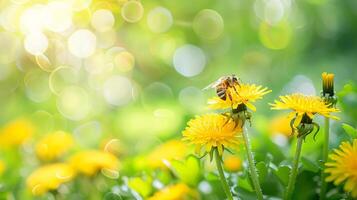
221	92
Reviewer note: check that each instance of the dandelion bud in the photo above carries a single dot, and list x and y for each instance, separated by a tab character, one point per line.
327	84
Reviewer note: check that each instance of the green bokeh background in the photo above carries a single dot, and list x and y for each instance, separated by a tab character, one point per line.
312	36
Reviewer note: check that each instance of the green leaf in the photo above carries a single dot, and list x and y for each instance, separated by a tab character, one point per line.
309	165
141	186
245	183
351	131
262	171
283	174
188	171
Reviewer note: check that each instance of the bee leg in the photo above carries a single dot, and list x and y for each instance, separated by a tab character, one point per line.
235	125
228	118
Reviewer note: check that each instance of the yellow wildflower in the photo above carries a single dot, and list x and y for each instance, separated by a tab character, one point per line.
175	192
49	177
170	150
212	130
303	105
54	145
343	167
16	132
232	163
91	161
244	94
281	125
2	167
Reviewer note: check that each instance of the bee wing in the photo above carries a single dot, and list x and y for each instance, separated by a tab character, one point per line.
214	84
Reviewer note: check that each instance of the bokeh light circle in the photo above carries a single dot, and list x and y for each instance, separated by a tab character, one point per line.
110	173
74	103
82	43
102	20
61	78
8	15
275	36
88	134
189	60
79	5
208	24
121	59
159	19
155	94
272	11
124	61
106	39
36	85
132	11
36	43
8	44
60	16
192	99
118	90
97	63
34	18
44	63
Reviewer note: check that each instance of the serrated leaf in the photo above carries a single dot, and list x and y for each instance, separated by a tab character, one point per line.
309	165
262	171
283	174
351	131
188	171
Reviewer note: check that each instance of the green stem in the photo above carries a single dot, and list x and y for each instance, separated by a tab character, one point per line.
324	158
221	175
253	170
294	170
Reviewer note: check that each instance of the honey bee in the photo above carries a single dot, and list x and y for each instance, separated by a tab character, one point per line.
223	84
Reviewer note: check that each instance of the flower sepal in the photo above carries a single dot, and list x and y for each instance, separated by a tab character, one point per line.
331	101
305	127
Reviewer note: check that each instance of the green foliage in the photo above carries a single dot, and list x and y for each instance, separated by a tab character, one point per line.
282	172
351	131
143	186
309	165
262	171
188	171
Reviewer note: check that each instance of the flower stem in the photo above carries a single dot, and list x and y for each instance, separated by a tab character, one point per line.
253	170
221	175
294	170
324	158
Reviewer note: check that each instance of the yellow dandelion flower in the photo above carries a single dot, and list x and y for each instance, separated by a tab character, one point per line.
170	150
281	125
212	130
232	163
328	84
2	167
54	145
244	94
343	167
303	105
175	192
49	177
91	161
16	132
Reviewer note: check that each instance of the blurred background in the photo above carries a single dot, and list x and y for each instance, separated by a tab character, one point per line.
130	73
